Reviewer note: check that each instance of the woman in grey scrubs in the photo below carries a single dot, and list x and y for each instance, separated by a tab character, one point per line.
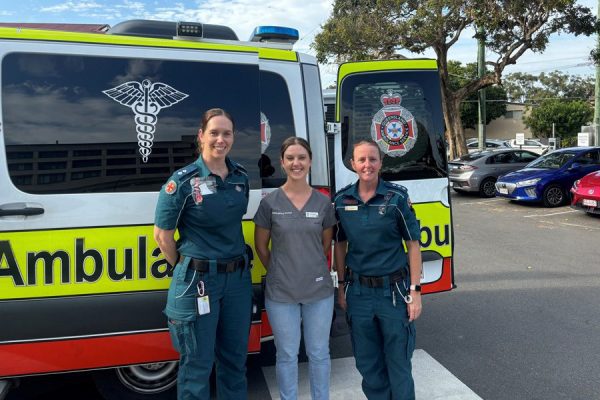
298	221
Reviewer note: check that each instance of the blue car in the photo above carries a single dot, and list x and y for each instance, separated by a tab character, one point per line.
549	178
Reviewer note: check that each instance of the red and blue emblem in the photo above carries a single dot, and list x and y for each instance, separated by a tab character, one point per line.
393	127
265	132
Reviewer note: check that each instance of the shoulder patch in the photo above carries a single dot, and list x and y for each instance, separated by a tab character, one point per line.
171	187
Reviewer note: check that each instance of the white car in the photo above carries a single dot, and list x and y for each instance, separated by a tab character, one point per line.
531	145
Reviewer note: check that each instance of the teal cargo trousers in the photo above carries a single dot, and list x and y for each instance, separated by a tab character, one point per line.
219	337
383	342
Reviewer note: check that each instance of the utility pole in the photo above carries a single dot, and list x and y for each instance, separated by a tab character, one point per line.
597	93
481	97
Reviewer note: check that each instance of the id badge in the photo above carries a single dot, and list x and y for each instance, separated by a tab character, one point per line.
202	300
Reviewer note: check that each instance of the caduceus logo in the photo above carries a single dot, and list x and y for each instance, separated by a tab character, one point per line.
146	99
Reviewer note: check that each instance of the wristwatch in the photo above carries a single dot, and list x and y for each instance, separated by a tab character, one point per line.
416	288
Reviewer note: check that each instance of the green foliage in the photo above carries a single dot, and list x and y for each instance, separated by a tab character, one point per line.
528	88
567	115
459	76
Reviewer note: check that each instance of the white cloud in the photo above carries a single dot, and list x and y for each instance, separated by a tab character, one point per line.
72	6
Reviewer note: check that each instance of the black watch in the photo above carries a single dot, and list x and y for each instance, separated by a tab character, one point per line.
416	288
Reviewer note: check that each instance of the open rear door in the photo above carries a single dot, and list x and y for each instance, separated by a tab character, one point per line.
398	104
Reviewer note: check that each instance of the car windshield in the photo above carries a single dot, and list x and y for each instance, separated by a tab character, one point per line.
552	160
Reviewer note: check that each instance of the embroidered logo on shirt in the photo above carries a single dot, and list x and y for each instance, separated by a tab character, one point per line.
319	279
350	201
171	187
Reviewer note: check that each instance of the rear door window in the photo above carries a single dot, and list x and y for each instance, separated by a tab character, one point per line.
87	124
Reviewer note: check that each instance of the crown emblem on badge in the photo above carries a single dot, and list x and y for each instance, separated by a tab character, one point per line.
393	127
390	99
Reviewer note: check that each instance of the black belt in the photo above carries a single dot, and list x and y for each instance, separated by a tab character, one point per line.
222	266
378	281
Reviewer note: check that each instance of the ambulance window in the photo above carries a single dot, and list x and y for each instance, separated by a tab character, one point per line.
85	119
406	107
277	124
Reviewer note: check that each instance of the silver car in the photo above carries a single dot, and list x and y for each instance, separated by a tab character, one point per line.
477	172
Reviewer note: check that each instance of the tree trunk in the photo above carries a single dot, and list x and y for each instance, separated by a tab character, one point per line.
455	136
454	131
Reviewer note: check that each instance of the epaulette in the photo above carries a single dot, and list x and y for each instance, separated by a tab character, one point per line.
240	167
185	172
393	185
339	192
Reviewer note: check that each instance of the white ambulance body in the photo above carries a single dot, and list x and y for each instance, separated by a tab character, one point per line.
91	126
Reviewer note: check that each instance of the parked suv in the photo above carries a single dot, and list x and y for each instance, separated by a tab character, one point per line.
531	145
478	172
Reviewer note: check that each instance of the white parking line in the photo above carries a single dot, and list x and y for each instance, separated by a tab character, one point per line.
481	201
432	381
548	215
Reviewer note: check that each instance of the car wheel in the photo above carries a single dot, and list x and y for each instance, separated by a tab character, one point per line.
488	187
553	196
157	381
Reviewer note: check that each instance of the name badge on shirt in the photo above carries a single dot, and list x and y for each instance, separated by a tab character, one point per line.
312	214
351	208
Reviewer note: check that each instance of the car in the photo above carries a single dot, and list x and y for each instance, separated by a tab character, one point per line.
549	178
473	144
531	145
478	171
585	193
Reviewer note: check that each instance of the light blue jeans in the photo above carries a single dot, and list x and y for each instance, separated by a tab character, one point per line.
285	319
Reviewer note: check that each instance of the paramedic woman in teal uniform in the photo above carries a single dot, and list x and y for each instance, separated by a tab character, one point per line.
380	288
209	300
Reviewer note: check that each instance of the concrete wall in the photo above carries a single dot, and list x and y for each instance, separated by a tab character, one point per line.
506	126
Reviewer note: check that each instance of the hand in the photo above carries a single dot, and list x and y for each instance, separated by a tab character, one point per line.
342	297
415	307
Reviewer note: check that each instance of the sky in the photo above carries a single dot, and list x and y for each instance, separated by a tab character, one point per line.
565	53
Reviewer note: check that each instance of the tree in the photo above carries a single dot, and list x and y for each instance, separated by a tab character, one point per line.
567	115
378	29
527	88
460	75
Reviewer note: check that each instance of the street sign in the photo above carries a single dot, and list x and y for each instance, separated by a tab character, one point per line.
583	139
520	139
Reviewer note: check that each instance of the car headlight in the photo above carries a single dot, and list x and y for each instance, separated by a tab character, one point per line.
528	182
576	184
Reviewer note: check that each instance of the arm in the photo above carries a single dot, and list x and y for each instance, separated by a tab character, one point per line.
262	237
327	237
165	239
339	251
415	264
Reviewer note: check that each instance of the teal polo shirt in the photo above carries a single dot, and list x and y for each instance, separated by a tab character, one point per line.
206	210
375	229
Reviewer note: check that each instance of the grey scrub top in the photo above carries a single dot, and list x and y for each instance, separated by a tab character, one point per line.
298	270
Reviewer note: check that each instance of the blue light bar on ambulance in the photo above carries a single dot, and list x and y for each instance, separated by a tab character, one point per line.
279	34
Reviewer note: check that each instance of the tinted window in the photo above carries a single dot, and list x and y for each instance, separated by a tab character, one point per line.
589	158
89	113
416	138
553	160
525	156
277	124
504	158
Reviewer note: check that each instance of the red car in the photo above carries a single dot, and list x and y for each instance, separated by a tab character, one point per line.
586	193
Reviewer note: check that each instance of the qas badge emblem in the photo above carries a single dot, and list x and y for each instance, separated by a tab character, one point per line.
393	127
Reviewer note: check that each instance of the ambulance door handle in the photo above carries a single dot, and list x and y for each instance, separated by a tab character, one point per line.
12	209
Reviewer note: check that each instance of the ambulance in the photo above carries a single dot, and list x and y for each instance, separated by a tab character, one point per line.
91	126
